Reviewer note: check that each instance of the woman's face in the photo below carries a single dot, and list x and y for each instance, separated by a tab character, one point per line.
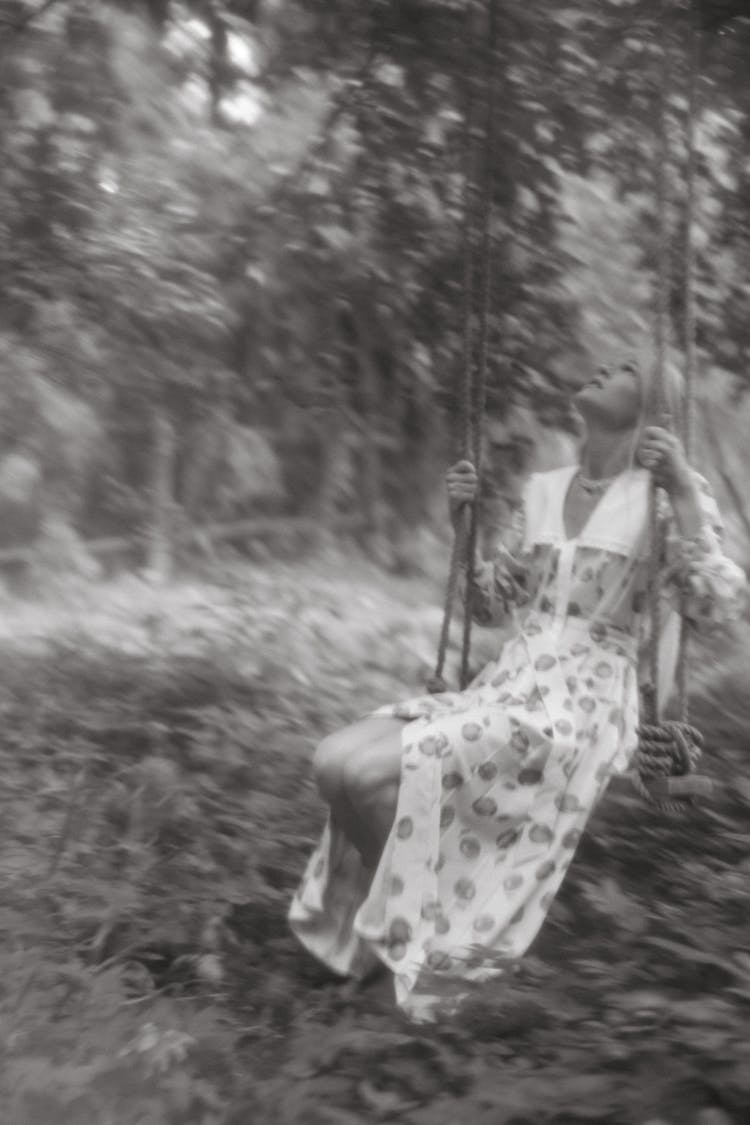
613	399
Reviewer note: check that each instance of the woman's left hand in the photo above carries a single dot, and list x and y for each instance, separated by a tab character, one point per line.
661	452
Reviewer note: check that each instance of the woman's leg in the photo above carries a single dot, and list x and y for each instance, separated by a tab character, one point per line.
335	749
334	761
372	777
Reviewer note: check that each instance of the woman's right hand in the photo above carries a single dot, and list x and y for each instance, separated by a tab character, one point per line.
463	485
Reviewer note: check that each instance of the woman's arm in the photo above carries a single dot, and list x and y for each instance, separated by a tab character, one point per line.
498	583
689	513
699	579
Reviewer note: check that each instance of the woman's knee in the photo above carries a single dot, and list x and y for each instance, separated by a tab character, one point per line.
328	763
356	778
337	758
367	773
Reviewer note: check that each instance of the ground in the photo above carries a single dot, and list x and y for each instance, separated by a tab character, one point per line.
157	810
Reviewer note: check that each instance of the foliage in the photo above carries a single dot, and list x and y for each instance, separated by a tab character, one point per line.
158	809
250	214
239	224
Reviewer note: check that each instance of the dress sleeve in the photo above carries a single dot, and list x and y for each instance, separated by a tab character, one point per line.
498	583
699	579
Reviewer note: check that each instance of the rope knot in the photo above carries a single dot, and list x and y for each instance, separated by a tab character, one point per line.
436	685
668	754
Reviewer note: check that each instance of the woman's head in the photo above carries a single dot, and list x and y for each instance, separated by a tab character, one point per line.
622	397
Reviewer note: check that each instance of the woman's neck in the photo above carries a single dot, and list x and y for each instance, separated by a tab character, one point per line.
604	455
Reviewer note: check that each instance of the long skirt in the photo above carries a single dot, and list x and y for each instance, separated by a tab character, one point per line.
497	784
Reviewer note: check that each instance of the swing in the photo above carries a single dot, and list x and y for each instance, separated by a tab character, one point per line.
668	751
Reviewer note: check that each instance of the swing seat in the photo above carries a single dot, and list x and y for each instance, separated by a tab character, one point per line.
693	786
667	756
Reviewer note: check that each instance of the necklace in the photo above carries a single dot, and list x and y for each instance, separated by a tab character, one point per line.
593	487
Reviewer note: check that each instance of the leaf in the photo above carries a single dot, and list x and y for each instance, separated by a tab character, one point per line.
742	961
383	1102
702	1011
336	237
569	18
588	1093
688	953
336	1116
641	1000
360	1041
609	899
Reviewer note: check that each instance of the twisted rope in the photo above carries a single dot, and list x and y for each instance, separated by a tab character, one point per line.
669	752
474	367
688	419
694	64
658	395
479	388
436	683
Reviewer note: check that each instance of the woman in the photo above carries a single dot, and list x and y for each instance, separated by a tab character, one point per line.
453	818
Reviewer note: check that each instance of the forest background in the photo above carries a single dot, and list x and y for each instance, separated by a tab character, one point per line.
230	338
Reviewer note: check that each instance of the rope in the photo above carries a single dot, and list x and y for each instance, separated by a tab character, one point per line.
474	368
471	160
694	63
480	375
688	419
662	313
668	752
436	682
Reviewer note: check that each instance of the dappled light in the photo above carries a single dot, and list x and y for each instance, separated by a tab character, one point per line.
374	367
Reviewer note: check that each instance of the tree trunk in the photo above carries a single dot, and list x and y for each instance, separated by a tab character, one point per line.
334	470
204	461
373	503
422	463
217	74
160	554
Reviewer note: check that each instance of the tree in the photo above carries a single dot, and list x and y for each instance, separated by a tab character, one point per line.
249	216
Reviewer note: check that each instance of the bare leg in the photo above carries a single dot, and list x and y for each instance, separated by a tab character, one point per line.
335	759
345	817
380	815
372	777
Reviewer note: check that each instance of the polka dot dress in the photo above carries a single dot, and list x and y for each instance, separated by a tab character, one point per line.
498	781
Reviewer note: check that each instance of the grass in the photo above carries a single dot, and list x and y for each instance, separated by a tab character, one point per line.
157	810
